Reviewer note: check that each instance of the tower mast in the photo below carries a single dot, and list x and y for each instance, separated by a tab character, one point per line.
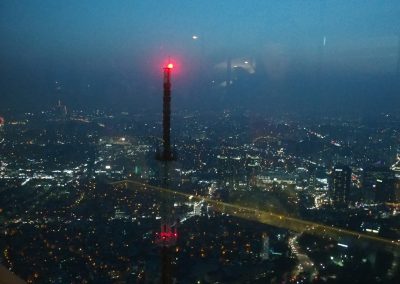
168	234
167	154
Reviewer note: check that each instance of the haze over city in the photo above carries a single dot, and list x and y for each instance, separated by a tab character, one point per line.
109	54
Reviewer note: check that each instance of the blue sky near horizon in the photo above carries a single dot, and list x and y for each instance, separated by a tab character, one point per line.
126	36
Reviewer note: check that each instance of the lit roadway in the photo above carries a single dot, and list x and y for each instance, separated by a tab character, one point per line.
304	262
278	220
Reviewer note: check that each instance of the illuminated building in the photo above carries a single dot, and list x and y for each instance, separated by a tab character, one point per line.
339	186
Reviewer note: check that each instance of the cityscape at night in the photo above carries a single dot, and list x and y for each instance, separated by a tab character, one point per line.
66	203
261	145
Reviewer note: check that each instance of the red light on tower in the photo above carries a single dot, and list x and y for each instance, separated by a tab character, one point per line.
170	66
168	235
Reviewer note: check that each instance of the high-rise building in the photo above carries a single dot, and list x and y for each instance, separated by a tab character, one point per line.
339	186
61	110
379	184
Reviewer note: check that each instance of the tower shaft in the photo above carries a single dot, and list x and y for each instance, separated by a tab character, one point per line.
168	235
167	155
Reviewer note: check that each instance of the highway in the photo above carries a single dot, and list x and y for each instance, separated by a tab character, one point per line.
277	220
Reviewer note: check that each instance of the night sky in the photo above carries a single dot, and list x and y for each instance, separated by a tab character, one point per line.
108	54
